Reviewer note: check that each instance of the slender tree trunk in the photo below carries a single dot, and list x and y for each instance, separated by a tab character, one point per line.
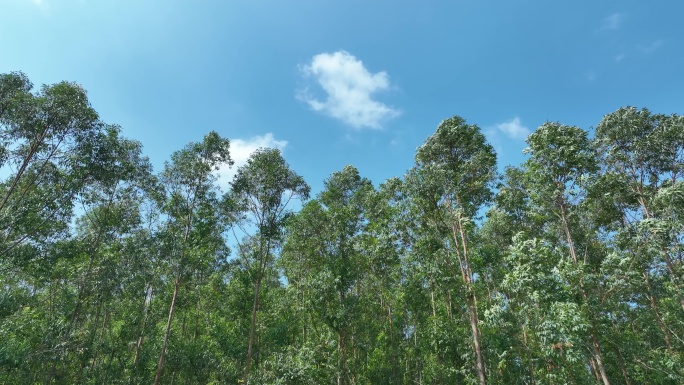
599	362
172	308
529	356
176	289
141	337
594	340
621	362
342	368
93	360
476	341
467	274
568	236
90	345
654	307
434	331
451	305
341	375
393	352
668	262
264	249
592	364
103	330
252	325
24	165
95	246
93	334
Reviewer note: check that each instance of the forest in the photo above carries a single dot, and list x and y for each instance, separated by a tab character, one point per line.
566	269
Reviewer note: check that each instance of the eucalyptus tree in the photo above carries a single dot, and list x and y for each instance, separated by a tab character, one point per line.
646	152
119	181
451	181
642	159
561	161
261	192
303	249
382	300
42	134
57	153
533	322
432	292
192	233
323	257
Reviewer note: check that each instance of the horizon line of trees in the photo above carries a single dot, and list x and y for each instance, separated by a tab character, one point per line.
112	273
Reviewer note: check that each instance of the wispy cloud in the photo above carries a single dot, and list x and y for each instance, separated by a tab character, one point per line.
494	138
650	47
513	128
620	57
241	149
42	4
614	21
590	76
349	89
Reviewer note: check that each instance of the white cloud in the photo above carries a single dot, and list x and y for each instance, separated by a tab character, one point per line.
349	87
620	57
241	149
614	21
513	129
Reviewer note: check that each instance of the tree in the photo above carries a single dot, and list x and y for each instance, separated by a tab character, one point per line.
450	183
561	158
639	199
43	137
261	192
324	257
191	205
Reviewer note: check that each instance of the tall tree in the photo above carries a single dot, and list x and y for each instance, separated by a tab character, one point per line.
451	181
191	204
43	135
324	243
561	158
261	192
639	199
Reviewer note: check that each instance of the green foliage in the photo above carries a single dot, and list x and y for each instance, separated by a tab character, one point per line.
111	273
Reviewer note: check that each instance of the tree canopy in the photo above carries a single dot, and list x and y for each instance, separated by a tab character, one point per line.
566	269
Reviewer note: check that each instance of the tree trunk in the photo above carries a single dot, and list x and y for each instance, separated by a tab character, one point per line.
654	307
621	362
476	340
594	340
592	364
172	308
24	165
176	288
252	328
342	369
467	275
434	331
668	262
599	362
529	356
141	337
341	359
393	352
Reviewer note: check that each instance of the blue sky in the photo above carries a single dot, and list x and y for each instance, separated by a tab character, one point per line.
348	82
